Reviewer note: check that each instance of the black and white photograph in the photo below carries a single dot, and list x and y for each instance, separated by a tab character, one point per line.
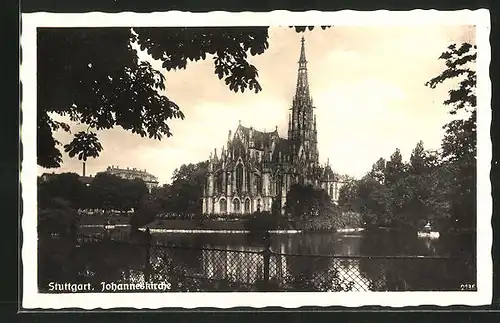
241	159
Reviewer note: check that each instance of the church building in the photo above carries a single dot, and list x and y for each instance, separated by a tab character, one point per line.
256	168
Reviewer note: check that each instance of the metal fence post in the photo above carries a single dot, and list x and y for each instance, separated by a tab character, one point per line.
147	262
267	255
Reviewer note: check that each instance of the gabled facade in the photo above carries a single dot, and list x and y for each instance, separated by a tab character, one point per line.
150	180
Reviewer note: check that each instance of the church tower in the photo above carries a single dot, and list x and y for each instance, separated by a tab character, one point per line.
257	168
302	122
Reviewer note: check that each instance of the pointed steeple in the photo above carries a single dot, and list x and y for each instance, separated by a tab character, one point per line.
229	140
289	125
302	126
302	89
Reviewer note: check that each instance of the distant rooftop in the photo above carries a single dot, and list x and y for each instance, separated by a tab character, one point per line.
128	169
131	171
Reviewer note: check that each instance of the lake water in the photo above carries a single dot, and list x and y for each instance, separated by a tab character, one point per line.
376	261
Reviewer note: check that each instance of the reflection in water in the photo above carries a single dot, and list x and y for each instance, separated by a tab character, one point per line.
298	262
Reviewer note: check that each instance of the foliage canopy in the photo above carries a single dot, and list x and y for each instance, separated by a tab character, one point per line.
434	186
94	77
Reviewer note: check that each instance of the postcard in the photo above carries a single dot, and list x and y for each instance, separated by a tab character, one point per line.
285	159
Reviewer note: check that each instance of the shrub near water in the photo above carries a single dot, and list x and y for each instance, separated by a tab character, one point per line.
349	219
145	213
320	223
57	217
264	221
332	222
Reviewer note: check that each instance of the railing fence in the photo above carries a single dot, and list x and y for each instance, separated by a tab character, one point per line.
202	268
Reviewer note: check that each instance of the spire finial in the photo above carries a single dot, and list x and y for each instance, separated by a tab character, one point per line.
302	60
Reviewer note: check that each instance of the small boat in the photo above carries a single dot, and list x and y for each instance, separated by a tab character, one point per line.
427	232
432	234
109	225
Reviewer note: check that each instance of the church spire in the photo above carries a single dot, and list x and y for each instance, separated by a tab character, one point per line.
302	90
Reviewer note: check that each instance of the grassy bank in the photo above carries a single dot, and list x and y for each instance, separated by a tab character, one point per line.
198	225
205	224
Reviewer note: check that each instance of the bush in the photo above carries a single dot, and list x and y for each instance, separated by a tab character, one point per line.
350	219
320	223
264	221
58	217
340	220
145	213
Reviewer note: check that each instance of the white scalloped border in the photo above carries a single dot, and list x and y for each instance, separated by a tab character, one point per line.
31	299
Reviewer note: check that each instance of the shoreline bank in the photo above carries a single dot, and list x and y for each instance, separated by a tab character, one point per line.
159	229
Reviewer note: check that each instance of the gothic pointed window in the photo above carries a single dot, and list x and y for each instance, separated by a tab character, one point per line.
331	191
215	183
279	184
247	206
236	206
223	206
247	181
239	178
218	182
258	183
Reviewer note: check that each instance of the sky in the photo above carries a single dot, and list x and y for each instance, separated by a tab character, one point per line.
367	83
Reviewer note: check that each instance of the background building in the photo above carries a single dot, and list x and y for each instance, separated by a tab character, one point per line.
125	173
256	169
134	173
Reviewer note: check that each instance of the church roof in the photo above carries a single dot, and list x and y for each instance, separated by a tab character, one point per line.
260	138
238	148
283	147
